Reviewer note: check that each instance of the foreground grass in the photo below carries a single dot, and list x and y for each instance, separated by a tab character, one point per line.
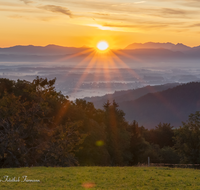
111	178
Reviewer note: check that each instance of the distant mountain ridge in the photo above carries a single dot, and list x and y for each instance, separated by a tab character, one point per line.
128	95
168	45
149	54
61	50
40	50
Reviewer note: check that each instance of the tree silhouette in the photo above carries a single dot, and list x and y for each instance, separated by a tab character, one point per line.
187	140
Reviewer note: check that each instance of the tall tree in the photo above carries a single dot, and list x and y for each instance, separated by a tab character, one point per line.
117	134
137	143
187	140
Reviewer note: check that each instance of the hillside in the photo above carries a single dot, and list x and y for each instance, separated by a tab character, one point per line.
170	106
128	95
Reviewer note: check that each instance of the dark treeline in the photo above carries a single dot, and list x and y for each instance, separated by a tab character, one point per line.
41	127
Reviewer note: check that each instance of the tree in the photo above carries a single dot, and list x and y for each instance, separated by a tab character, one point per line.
33	125
22	131
93	151
117	136
137	143
169	155
61	147
187	139
162	135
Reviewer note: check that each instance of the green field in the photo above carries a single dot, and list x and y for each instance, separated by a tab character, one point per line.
111	178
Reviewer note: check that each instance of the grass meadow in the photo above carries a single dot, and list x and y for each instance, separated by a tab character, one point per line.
111	178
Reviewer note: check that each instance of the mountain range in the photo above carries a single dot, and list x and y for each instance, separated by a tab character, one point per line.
60	50
170	46
149	54
39	50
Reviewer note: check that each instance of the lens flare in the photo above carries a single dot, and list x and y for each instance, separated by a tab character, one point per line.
99	143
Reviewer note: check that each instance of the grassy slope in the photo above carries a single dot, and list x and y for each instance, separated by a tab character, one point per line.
111	178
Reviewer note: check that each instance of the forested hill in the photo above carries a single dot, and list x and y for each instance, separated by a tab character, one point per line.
170	106
41	127
128	95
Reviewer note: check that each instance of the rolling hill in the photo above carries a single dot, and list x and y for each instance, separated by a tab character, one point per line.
128	95
150	105
169	106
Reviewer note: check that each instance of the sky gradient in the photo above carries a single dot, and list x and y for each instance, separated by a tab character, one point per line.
85	22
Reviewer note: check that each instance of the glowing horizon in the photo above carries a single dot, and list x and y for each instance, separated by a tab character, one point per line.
76	23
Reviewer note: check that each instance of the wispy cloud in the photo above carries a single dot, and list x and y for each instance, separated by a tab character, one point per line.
190	3
140	2
30	11
57	9
150	25
195	25
138	26
101	14
139	8
170	11
173	13
187	3
123	15
18	16
47	18
42	18
10	4
27	1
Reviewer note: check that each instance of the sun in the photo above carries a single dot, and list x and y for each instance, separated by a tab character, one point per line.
103	45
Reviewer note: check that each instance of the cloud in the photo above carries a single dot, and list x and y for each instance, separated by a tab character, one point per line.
138	26
123	15
42	18
9	4
137	8
101	14
195	25
99	26
18	16
148	25
190	3
187	3
169	11
140	2
57	9
27	1
46	18
95	5
173	13
20	10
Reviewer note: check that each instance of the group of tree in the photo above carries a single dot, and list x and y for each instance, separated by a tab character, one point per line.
41	127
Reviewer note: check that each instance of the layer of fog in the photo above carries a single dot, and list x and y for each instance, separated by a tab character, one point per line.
80	82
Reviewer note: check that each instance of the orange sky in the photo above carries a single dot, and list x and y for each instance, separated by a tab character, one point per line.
85	22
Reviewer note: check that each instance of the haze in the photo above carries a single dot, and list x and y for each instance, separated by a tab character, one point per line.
51	39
